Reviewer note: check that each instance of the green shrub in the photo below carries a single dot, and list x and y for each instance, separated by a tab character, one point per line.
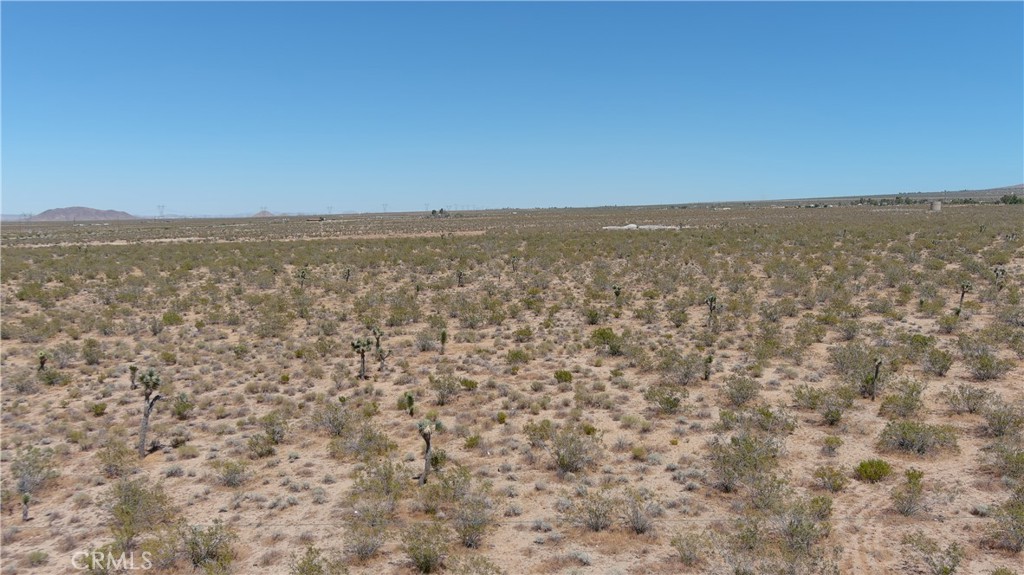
917	437
966	398
563	376
1002	419
98	409
872	470
426	545
692	547
908	498
594	510
741	459
210	548
831	444
230	473
830	478
936	560
905	400
37	558
664	399
172	318
313	562
938	362
117	459
1008	530
92	352
740	390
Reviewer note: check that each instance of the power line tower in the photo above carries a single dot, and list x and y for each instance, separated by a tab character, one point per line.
160	210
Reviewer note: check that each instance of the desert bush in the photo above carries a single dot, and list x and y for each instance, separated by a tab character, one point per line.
116	458
209	548
908	497
872	470
333	417
936	560
966	398
380	480
831	478
684	370
741	390
426	546
563	376
32	469
830	445
937	362
229	472
594	510
692	547
607	341
1002	419
134	507
446	387
92	352
807	397
183	406
366	526
365	441
905	399
574	449
665	399
314	562
474	565
1008	529
741	458
835	403
917	437
639	508
803	523
472	517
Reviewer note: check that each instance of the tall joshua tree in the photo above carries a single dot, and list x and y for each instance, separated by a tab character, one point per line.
712	302
150	382
382	354
361	345
427	427
964	288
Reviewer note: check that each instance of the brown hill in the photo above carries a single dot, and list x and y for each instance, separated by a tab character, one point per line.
80	214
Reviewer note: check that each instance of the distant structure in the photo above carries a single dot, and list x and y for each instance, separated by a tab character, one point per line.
937	206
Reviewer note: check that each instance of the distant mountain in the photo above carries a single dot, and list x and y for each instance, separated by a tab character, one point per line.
80	214
263	214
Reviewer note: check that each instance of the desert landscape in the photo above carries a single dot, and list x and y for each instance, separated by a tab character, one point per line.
760	389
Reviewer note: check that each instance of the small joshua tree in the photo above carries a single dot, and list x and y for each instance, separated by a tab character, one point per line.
150	382
133	370
382	354
1000	278
964	288
444	339
871	381
407	402
42	360
427	427
712	302
707	366
460	278
361	346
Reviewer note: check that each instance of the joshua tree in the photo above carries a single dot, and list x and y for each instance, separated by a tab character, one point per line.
1000	276
42	360
964	288
408	402
873	379
460	277
348	274
302	275
382	354
514	260
133	370
444	339
150	382
362	345
427	427
707	366
25	500
712	302
617	290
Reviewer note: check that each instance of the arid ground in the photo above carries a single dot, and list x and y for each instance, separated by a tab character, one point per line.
763	390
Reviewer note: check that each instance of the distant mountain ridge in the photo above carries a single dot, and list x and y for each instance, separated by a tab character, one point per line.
80	214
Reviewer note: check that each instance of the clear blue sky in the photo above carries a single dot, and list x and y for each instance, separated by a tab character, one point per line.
221	108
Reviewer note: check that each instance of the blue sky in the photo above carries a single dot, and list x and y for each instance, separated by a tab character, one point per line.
223	108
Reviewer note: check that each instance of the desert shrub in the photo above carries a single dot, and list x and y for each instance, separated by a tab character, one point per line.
740	390
908	497
365	441
517	357
692	547
607	341
333	417
830	445
854	363
741	458
116	458
917	437
1008	529
260	445
53	377
937	561
474	565
92	352
31	469
803	523
807	397
472	517
230	472
831	478
426	546
1008	457
209	548
366	526
835	403
937	362
966	398
1002	419
905	399
573	449
594	510
445	386
985	366
563	376
134	507
639	508
182	406
313	562
380	480
872	470
665	399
